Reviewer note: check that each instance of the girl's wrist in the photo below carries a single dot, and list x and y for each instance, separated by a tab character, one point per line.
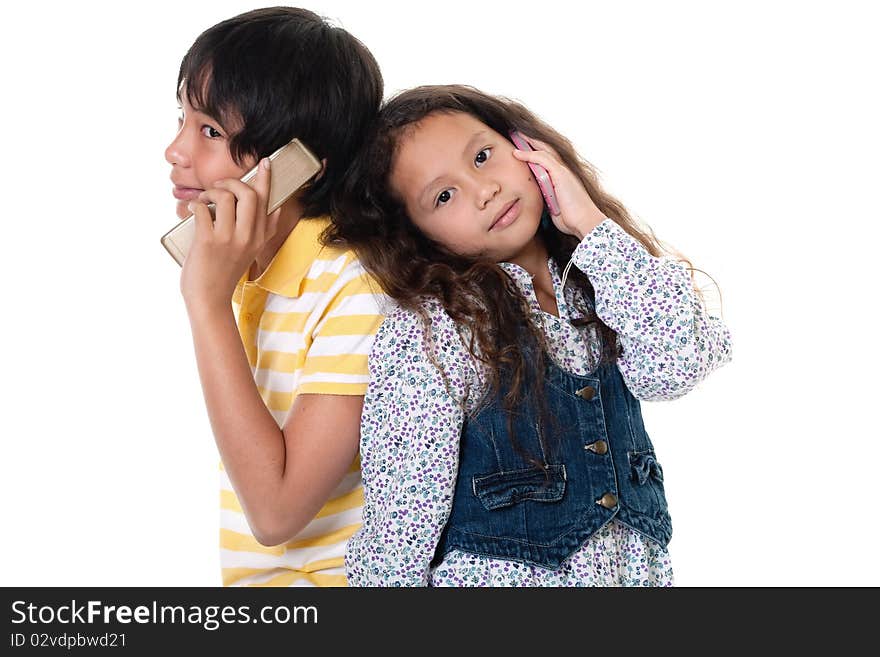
586	225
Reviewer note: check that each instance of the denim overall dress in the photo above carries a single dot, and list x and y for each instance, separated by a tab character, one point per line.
598	464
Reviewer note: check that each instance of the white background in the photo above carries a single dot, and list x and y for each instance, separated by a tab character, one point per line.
745	133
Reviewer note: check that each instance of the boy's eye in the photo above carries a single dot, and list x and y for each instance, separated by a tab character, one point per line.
443	198
210	132
482	156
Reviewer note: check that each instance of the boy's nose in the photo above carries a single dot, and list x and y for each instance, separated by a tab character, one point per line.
177	151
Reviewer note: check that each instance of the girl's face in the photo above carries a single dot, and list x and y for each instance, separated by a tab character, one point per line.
463	188
199	156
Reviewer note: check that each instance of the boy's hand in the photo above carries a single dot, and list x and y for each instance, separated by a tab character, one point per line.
578	213
224	248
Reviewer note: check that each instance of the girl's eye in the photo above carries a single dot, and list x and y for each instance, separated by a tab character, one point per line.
482	156
443	198
210	132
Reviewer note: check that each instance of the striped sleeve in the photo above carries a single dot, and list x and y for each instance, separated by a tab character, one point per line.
336	362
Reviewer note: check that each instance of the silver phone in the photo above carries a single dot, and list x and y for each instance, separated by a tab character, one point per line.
293	165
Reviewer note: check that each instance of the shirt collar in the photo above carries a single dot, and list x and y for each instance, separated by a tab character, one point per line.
523	280
286	271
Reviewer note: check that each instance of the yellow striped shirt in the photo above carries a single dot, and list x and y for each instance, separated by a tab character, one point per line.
307	325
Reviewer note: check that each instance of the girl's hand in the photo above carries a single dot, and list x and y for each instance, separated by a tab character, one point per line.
578	213
224	248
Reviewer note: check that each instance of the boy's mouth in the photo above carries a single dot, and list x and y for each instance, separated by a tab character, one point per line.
185	193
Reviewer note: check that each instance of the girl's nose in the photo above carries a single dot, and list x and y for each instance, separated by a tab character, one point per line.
487	192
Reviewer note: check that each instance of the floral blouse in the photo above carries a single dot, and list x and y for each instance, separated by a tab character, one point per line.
412	419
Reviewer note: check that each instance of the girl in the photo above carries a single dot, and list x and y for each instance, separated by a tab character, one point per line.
501	439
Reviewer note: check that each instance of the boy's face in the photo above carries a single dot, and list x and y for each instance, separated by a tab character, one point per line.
199	156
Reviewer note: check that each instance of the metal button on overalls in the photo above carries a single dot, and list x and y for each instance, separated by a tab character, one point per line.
599	447
586	393
608	500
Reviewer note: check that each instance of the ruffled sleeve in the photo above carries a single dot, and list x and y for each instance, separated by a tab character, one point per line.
669	342
410	432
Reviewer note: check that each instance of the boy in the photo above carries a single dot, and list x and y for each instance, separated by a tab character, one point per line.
284	367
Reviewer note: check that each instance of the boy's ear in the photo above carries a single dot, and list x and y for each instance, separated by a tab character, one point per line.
323	169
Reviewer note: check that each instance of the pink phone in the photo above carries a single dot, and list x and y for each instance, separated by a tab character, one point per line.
540	173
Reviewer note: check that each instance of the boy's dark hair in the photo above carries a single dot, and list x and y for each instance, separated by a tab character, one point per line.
273	74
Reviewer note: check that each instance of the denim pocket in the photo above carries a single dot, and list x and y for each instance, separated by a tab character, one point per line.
644	466
646	476
504	489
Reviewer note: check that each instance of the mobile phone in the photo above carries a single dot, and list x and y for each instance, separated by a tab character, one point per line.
545	184
293	165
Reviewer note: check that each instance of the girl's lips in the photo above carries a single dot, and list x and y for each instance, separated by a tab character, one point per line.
508	217
185	193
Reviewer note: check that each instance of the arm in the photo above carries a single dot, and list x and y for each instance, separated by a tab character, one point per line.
669	341
409	452
281	476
